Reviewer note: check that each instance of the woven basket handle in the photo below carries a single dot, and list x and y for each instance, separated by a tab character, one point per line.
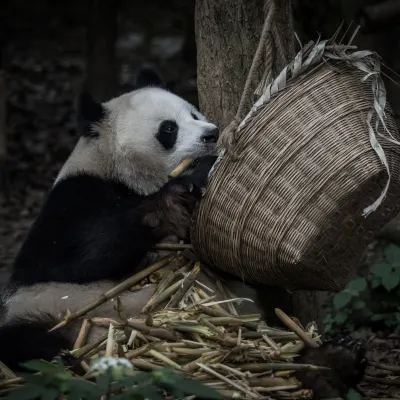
227	138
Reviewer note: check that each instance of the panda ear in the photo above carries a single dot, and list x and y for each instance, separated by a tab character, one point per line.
148	77
89	113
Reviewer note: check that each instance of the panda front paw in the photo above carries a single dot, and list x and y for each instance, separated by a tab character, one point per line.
196	182
346	360
351	352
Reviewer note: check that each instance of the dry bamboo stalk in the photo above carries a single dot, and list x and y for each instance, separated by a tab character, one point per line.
189	352
78	353
271	381
187	283
145	365
270	342
230	394
239	338
295	328
165	284
138	352
160	333
167	293
233	320
164	359
233	371
229	381
183	166
173	246
261	367
303	394
85	366
110	341
277	388
217	313
115	291
283	373
83	334
209	324
194	365
7	371
103	322
11	381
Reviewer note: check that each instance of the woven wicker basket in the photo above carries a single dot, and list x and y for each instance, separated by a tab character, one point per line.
289	211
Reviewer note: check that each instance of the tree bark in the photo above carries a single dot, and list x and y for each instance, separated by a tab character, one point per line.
102	32
227	35
3	130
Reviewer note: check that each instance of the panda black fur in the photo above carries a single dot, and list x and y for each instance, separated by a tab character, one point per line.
110	204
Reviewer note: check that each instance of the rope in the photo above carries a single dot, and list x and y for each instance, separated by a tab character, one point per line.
227	137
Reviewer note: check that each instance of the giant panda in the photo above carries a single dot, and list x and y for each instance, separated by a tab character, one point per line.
110	203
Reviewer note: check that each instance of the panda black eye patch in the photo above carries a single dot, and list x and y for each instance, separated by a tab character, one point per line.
167	134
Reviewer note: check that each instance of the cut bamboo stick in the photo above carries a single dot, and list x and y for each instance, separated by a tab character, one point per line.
133	280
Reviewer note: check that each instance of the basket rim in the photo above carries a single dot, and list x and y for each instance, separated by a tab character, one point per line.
307	61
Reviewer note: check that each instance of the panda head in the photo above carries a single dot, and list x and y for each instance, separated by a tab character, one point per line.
140	137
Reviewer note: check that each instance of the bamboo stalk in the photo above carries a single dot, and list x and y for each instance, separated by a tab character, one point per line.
160	333
195	365
145	365
217	313
165	284
167	293
187	283
173	246
78	353
229	381
261	367
295	328
138	352
183	166
12	381
83	334
277	388
110	341
133	280
7	371
271	381
164	359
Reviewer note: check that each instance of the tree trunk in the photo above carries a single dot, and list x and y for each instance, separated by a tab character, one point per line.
227	35
102	32
3	131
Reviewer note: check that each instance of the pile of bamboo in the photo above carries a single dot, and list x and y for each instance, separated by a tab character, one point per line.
186	327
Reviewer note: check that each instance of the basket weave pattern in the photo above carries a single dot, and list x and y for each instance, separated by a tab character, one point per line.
289	212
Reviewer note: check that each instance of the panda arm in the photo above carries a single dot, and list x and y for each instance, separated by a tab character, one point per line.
88	229
92	229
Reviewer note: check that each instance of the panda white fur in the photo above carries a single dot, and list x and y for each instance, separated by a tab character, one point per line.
110	204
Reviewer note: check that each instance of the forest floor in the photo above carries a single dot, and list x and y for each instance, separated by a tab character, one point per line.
41	121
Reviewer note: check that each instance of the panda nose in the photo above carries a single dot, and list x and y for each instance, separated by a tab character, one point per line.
211	136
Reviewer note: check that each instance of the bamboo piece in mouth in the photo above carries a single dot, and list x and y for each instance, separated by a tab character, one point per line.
183	166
